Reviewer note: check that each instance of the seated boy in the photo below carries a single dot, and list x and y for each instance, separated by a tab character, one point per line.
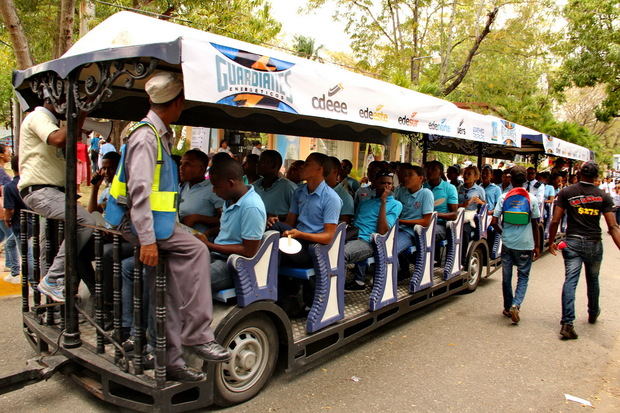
242	223
199	206
418	204
333	180
275	191
374	215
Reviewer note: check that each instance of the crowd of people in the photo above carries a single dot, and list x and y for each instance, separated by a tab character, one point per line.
215	206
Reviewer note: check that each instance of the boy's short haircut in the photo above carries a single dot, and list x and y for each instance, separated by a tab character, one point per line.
198	154
226	169
348	162
518	174
219	157
252	157
589	170
322	160
405	167
273	157
432	164
113	156
472	168
335	164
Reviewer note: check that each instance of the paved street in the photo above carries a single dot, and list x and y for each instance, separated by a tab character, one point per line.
459	355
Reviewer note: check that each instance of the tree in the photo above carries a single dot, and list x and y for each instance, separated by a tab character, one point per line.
305	47
591	51
17	35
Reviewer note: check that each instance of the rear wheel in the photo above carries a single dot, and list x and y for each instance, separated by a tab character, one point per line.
474	270
254	347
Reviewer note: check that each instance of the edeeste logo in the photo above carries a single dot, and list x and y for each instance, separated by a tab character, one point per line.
324	103
377	114
409	121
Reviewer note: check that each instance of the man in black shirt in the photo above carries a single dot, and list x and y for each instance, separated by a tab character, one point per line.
583	203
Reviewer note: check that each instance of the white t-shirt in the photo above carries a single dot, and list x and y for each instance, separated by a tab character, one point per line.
40	163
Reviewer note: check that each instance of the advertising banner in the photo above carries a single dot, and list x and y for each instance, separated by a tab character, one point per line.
557	147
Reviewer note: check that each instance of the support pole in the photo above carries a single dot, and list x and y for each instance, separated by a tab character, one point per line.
480	158
71	338
424	150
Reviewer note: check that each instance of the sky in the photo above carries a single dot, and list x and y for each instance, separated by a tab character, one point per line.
318	24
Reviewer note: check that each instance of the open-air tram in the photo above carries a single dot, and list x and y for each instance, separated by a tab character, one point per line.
231	84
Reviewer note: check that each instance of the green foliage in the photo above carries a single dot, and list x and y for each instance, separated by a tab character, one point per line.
592	50
305	47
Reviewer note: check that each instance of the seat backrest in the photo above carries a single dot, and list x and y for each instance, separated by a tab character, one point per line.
386	269
256	278
455	245
482	220
422	276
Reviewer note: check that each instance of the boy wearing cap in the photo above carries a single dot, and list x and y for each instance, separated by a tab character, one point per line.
188	294
584	204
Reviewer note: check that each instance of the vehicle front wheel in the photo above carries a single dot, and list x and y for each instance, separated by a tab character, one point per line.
254	347
474	271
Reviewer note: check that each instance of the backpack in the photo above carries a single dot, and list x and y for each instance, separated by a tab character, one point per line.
517	209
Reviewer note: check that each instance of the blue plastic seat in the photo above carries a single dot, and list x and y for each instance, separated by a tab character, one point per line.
301	273
224	296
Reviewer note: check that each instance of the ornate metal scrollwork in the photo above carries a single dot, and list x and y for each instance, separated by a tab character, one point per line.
95	88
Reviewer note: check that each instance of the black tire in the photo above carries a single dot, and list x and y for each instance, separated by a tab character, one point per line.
474	271
254	344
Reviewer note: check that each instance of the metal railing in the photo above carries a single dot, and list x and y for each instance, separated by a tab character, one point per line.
44	312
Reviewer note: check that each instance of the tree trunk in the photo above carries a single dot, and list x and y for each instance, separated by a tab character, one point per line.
87	12
472	52
65	26
19	41
415	64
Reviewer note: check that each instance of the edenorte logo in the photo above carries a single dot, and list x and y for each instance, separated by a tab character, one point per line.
250	74
442	126
460	130
377	114
409	121
330	105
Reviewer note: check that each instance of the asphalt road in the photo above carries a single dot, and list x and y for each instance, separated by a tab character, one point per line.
459	355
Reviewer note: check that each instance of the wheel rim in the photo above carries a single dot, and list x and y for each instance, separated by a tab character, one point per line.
250	350
474	268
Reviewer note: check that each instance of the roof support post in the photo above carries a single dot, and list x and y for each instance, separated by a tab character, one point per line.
71	337
480	158
424	149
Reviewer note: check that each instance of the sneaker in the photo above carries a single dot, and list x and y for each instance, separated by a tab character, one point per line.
514	314
568	332
506	313
592	317
353	286
13	279
55	291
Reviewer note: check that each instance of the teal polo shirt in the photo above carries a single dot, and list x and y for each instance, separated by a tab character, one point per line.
277	197
415	205
346	198
517	237
199	199
550	191
315	209
492	193
245	219
368	215
443	194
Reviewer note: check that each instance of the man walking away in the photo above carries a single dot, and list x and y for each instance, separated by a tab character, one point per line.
520	239
583	203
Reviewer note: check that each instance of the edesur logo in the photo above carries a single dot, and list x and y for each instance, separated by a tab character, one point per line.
331	105
409	120
377	114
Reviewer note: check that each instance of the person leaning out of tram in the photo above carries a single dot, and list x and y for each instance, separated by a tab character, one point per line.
520	212
491	191
445	197
242	224
333	180
275	191
313	218
149	220
199	207
374	215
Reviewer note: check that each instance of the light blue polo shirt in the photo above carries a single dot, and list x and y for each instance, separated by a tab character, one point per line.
415	205
517	237
443	194
277	197
367	215
506	190
347	200
550	191
199	199
492	193
315	209
245	219
468	193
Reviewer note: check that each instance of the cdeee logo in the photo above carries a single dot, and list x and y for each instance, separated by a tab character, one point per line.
409	121
330	105
377	114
